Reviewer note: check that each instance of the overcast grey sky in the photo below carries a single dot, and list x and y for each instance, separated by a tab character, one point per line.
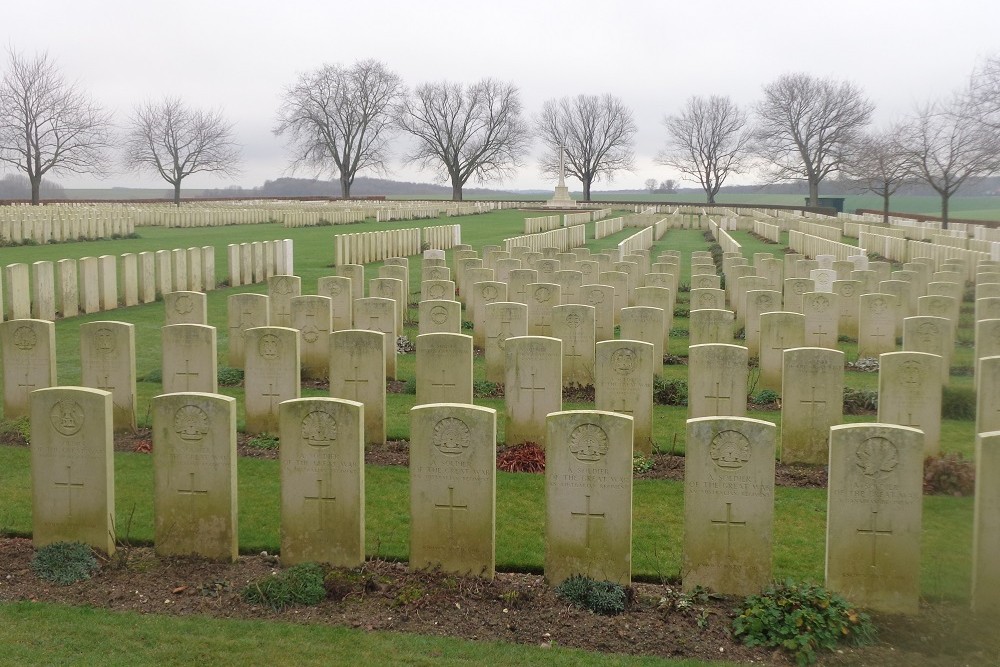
239	56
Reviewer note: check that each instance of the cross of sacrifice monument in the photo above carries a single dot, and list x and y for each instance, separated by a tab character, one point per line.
561	198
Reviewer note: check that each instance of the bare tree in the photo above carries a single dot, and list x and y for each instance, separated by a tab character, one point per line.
668	186
984	93
462	132
708	140
174	141
946	145
339	119
804	125
596	132
878	163
47	124
651	185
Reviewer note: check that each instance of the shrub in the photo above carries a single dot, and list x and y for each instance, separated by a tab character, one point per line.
958	403
155	375
411	386
526	457
263	441
64	563
765	397
950	475
682	311
641	464
230	377
669	391
15	431
300	584
486	389
601	597
801	618
467	325
859	401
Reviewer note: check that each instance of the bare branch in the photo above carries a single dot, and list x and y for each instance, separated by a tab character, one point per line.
463	132
877	163
48	125
805	124
169	139
708	141
597	133
339	119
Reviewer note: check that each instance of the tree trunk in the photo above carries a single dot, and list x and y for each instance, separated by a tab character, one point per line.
813	192
345	187
944	210
885	207
177	193
711	197
36	188
456	190
586	189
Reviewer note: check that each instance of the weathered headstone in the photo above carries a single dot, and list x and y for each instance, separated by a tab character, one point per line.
194	476
483	293
779	331
588	496
504	319
644	323
378	314
812	391
390	288
728	504
313	317
986	525
322	457
601	297
280	290
909	392
338	289
356	274
624	384
72	467
532	383
573	324
876	324
107	362
439	316
357	373
717	380
794	288
28	351
932	335
822	319
711	326
190	361
542	298
758	302
453	488
272	375
873	523
185	308
444	368
245	311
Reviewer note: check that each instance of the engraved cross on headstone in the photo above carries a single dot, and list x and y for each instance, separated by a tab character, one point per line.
186	373
191	491
729	523
321	500
874	532
530	391
443	383
70	486
355	381
451	507
271	395
718	396
588	515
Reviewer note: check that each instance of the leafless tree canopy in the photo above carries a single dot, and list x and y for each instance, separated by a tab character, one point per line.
984	93
877	162
48	125
708	140
805	124
174	141
946	145
463	132
339	119
597	133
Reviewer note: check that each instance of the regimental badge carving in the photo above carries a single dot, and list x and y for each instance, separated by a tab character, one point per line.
821	304
706	299
310	334
385	290
319	429
847	290
191	423
878	306
490	293
436	291
67	417
542	294
104	341
574	320
282	286
439	314
451	436
799	287
937	307
334	289
764	301
588	443
913	373
436	274
184	304
25	338
876	457
928	332
624	360
596	296
268	346
730	450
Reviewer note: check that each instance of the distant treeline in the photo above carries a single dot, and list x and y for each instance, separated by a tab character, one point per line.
17	186
363	187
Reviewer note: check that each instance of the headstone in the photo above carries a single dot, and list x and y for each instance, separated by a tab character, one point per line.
357	373
728	505
986	525
778	332
190	362
437	290
704	298
624	384
909	392
932	335
245	311
43	307
356	274
390	288
194	476
645	324
313	317
517	288
378	314
873	523
812	391
107	362
601	297
573	324
67	290
711	326
483	293
338	290
272	375
453	488
876	324
848	295
822	319
758	302
532	382
618	280
717	380
185	308
794	288
280	290
588	497
504	319
439	316
28	351
72	467
444	368
542	298
322	457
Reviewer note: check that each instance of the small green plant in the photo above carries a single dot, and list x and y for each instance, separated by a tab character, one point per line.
263	441
669	391
300	584
765	397
230	377
682	311
801	618
485	389
64	563
859	401
15	431
155	375
467	325
949	475
410	387
601	597
641	464
958	403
